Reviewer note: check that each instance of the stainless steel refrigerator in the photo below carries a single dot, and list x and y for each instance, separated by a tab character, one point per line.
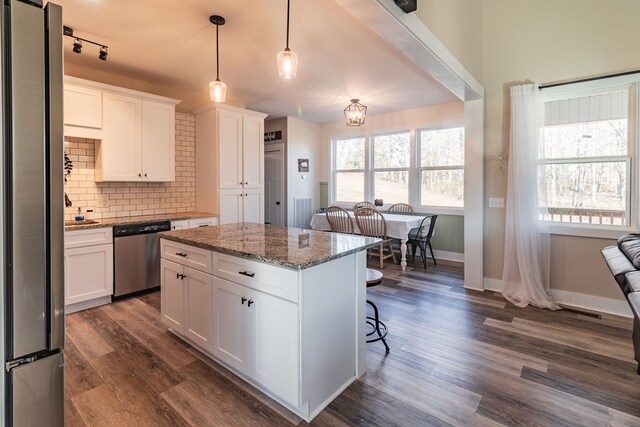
31	217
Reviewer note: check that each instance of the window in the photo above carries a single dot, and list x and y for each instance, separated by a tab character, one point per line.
441	167
423	167
391	154
585	159
349	156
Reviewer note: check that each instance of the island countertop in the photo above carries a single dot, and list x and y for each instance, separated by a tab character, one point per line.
292	248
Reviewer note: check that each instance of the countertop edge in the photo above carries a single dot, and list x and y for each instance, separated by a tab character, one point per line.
140	219
284	264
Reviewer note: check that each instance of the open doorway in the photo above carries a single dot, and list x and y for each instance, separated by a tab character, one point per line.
275	200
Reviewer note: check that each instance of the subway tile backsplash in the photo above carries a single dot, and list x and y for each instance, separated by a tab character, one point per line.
120	199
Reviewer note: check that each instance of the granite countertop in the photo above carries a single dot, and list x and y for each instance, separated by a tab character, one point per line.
292	248
111	222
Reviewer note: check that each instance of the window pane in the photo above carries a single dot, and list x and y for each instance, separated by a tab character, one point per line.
350	186
442	188
392	186
391	151
350	153
593	139
587	192
441	147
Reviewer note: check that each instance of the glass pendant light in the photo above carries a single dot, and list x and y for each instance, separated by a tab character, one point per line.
287	60
217	89
355	113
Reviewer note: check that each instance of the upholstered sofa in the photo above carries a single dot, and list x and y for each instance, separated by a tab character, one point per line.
623	260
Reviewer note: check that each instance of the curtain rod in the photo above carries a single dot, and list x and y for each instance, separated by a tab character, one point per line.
588	79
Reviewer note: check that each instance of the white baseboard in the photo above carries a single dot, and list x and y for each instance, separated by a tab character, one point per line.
591	302
619	307
449	256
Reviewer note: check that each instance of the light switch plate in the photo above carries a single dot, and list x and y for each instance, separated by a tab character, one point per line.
496	202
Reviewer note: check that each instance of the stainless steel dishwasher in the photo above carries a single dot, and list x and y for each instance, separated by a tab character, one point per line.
136	253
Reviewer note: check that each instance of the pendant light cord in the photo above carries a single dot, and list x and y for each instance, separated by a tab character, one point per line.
288	6
217	56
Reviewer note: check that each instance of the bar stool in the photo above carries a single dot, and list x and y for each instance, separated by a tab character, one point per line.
374	278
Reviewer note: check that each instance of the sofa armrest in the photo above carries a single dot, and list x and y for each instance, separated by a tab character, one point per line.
619	265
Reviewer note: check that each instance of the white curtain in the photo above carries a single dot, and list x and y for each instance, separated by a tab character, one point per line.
525	277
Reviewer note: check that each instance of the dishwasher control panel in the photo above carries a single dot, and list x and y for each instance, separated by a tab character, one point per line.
145	228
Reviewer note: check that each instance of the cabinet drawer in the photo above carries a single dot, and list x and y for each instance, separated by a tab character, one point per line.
203	222
190	256
272	280
88	237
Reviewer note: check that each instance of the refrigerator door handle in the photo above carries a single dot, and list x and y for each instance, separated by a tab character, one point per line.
55	193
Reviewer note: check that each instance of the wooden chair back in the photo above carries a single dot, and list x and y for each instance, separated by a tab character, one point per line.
401	208
339	220
371	223
364	204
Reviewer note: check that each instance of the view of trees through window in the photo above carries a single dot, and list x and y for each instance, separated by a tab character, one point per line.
586	168
382	167
391	155
442	167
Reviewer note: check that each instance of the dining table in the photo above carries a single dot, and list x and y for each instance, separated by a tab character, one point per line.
398	227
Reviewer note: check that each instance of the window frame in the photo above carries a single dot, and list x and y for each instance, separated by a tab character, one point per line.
373	169
591	88
368	170
420	168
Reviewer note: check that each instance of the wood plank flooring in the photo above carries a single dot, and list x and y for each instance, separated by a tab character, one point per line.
457	357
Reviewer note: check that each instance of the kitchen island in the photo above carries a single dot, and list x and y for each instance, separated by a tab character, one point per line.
283	308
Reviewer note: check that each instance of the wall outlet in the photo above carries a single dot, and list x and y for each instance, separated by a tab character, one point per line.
101	201
496	202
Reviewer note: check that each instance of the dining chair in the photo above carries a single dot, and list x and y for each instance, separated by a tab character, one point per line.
372	224
400	208
339	220
364	204
421	237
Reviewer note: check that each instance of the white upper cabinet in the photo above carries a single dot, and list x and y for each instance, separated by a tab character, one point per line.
230	163
119	154
158	141
136	130
82	111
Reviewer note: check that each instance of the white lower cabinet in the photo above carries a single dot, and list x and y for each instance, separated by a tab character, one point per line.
241	205
251	317
88	267
186	302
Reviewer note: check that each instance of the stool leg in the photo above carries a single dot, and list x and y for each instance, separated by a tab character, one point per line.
377	323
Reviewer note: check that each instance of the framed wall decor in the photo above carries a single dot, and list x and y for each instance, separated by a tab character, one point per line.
303	165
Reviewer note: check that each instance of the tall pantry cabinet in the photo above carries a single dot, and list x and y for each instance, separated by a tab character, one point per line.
230	163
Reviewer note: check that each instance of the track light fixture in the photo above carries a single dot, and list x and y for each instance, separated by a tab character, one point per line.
77	46
77	43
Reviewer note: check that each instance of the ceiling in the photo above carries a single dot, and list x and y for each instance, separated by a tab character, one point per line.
168	47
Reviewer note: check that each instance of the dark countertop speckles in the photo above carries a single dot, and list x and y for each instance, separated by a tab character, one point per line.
292	248
111	222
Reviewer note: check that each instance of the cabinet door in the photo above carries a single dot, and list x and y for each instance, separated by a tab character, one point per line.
231	336
172	295
230	149
230	207
158	142
88	273
119	154
253	207
198	297
274	345
82	106
253	151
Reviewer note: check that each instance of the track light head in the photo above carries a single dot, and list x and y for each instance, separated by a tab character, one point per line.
103	53
77	46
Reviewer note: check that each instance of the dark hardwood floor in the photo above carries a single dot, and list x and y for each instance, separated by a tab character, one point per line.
457	357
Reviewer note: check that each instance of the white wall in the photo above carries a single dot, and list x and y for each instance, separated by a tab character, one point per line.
303	142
